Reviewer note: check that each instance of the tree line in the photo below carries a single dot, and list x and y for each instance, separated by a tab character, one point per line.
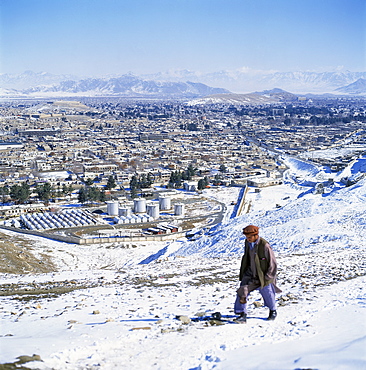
177	177
139	182
20	193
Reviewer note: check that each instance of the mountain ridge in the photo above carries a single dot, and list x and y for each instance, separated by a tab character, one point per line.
355	88
182	83
126	85
246	81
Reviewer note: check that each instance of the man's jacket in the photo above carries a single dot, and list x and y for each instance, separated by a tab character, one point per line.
265	263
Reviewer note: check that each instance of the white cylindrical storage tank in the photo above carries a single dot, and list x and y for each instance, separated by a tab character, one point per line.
139	205
124	211
112	208
165	203
152	210
179	209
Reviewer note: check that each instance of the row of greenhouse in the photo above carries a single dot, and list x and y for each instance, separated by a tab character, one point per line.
52	220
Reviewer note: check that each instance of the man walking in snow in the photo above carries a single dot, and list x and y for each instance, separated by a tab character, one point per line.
257	271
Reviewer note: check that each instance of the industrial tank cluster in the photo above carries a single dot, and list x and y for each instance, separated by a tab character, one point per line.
142	211
52	220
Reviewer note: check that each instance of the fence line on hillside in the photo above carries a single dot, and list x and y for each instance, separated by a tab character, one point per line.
238	209
96	239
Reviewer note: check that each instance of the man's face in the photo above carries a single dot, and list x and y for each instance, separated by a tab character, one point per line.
251	238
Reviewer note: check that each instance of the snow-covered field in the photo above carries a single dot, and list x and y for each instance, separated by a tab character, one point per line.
119	304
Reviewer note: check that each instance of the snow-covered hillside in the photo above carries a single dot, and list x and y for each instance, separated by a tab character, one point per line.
115	306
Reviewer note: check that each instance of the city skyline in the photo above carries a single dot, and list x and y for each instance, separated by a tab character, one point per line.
142	37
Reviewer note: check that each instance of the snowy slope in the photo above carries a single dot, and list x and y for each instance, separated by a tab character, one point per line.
310	223
121	312
355	170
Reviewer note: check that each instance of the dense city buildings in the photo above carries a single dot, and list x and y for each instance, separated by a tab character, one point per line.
69	143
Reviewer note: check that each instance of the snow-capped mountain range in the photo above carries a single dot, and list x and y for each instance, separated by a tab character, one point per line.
245	81
126	85
181	84
30	79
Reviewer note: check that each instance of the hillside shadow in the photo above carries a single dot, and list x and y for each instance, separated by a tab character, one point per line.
154	257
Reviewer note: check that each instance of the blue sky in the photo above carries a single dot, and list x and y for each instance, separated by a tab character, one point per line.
99	37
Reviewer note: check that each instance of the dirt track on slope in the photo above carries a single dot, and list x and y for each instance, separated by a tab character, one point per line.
17	257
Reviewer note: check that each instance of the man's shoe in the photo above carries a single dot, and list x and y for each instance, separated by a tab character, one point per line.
272	315
241	319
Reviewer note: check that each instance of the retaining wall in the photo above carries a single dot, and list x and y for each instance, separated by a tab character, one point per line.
97	240
238	209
